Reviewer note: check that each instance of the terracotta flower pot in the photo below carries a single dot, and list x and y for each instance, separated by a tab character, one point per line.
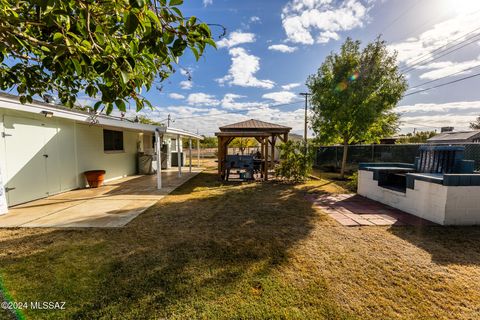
95	178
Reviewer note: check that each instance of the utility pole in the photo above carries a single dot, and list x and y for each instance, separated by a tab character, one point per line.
306	95
168	120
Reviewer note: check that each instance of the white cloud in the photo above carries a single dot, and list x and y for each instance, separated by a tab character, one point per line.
281	96
186	71
202	99
282	48
207	120
207	2
435	115
235	38
416	49
229	102
445	68
254	19
310	21
186	85
243	69
291	86
176	96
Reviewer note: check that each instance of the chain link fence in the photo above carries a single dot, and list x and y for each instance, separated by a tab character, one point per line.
330	157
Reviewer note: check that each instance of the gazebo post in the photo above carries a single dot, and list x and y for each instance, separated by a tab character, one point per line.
219	154
266	159
272	156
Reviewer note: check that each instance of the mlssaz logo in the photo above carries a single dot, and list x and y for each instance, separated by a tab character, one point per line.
47	305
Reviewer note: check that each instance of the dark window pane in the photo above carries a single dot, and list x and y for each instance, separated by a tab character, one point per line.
112	140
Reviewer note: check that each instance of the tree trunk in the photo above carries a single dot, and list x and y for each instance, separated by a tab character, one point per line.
344	158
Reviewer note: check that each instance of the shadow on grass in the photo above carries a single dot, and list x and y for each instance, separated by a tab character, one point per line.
447	245
212	249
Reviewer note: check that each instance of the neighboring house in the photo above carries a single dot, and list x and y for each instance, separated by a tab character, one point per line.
450	137
45	148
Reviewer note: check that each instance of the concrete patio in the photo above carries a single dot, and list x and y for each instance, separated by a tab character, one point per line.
113	205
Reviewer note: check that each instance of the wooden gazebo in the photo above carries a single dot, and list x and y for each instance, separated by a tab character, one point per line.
265	133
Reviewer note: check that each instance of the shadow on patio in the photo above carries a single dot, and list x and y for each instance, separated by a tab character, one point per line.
113	205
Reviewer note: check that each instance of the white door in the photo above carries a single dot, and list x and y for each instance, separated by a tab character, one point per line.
26	142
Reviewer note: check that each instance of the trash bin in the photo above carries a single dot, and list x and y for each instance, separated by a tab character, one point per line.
145	164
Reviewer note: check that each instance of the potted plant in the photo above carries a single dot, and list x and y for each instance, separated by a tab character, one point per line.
95	178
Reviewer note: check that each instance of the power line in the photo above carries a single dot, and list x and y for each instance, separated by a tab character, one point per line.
418	124
443	84
416	3
444	77
442	55
445	51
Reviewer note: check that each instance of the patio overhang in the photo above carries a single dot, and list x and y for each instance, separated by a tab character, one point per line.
11	102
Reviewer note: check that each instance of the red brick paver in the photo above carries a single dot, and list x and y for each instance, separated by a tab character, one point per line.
354	210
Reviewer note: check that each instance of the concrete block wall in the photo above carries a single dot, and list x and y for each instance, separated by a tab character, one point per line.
445	205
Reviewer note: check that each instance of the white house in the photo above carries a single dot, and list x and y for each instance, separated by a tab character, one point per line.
45	148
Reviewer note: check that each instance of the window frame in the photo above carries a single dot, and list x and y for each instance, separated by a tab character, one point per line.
115	148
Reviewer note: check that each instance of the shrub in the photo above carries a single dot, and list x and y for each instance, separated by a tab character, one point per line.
353	182
295	162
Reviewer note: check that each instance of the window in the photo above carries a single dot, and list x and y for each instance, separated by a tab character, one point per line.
112	140
173	145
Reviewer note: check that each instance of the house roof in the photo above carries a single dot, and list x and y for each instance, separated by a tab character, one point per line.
459	136
8	101
255	125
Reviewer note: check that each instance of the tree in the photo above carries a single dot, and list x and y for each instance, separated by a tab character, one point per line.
243	143
295	161
354	93
209	142
417	137
110	49
475	125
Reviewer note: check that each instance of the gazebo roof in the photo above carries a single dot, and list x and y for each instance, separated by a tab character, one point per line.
255	125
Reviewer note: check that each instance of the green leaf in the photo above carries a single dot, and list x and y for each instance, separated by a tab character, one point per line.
131	23
109	108
100	67
125	76
137	3
195	53
152	16
176	2
78	67
97	105
149	104
121	105
139	104
57	36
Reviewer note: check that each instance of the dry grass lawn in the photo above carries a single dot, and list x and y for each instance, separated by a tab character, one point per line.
244	251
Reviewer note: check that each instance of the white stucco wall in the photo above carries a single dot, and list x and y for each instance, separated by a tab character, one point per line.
72	148
91	156
445	205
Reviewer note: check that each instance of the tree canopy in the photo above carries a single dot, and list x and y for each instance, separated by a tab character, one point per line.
353	94
110	49
476	124
417	137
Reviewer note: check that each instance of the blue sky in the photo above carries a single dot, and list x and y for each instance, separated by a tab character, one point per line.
272	46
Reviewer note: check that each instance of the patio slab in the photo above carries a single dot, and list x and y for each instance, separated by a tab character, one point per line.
113	205
353	210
